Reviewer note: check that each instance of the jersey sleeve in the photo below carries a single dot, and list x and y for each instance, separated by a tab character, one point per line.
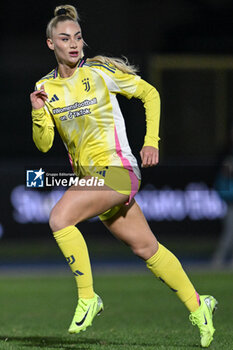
151	101
125	84
131	85
117	81
42	129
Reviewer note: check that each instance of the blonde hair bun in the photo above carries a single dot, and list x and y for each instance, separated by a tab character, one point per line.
66	10
61	13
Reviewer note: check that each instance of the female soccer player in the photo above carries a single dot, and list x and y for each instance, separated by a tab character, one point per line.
79	97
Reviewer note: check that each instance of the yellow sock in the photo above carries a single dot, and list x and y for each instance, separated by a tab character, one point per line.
73	246
168	269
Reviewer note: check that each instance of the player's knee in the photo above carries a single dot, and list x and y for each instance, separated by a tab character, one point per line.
139	251
57	221
144	251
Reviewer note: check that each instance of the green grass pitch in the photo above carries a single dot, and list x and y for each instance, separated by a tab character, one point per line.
140	313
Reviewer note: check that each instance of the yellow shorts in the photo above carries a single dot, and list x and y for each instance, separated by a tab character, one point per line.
120	180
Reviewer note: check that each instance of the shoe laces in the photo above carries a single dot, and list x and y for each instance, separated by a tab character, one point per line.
195	320
81	305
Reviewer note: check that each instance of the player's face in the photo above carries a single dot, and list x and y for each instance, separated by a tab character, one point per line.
67	43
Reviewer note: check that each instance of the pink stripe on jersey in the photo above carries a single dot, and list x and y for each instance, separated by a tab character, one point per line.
81	63
71	161
126	164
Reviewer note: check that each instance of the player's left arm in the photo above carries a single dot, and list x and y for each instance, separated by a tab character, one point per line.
151	101
131	85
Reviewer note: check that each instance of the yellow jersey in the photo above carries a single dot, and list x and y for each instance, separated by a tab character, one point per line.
86	113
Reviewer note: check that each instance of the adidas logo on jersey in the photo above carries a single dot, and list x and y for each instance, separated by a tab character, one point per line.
54	98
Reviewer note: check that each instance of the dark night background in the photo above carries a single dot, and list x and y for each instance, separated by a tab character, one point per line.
196	111
133	28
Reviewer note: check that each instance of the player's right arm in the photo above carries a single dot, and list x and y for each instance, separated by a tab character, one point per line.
42	123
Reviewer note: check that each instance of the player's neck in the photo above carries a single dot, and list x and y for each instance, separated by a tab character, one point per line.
66	71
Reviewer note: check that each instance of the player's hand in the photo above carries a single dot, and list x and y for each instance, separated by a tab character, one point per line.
149	156
38	98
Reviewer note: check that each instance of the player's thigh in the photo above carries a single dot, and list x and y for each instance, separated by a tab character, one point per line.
130	226
82	202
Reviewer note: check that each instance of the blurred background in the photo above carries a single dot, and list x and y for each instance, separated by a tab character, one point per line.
185	49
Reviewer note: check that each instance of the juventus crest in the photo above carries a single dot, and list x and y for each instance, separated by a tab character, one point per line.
86	83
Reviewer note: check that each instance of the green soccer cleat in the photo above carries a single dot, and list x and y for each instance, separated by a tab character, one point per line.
86	310
203	318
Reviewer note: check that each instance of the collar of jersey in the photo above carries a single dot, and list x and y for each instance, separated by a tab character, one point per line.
80	64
